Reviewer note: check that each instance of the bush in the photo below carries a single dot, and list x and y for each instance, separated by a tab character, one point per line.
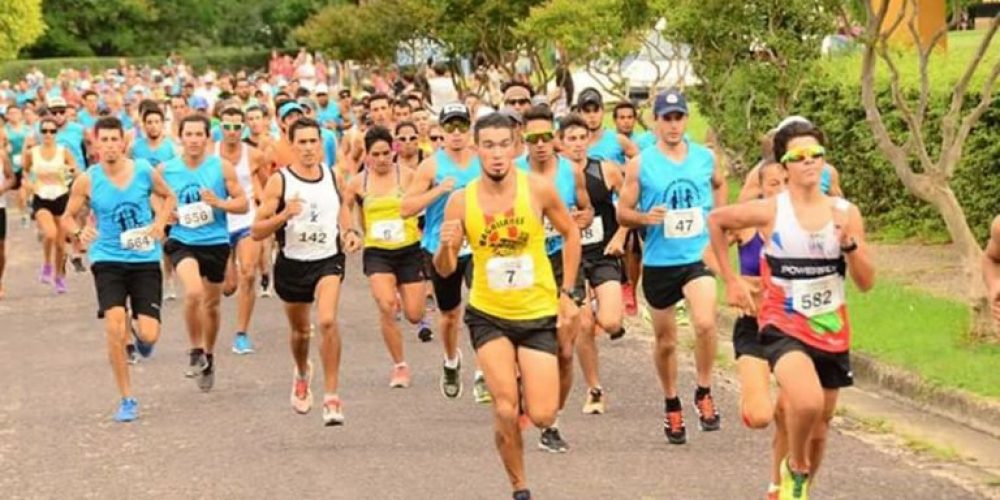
224	59
871	182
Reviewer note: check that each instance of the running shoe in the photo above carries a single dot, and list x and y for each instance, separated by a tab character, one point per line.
265	285
206	379
128	410
25	223
683	318
794	485
647	316
424	332
617	335
302	397
628	297
333	414
131	356
595	402
479	389
708	415
673	427
451	381
522	495
145	349
171	292
60	285
552	442
400	377
430	307
197	363
773	491
45	276
78	264
242	344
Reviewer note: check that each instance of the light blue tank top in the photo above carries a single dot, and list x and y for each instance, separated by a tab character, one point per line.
142	151
608	148
120	210
687	185
187	184
435	211
565	183
825	180
17	138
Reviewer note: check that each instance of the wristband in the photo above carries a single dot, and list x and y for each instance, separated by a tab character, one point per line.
850	248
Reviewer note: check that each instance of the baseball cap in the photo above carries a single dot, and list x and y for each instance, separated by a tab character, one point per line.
511	113
790	120
322	89
307	102
590	95
56	102
454	111
288	108
540	100
198	102
670	101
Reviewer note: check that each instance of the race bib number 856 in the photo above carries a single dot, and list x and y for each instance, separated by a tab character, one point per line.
195	215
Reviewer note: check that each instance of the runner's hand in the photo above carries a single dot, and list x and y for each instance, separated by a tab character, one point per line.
616	247
656	215
583	218
568	310
452	233
88	235
739	296
293	207
448	184
208	196
841	225
352	243
157	231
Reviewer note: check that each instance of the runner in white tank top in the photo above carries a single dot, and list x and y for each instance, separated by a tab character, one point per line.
302	205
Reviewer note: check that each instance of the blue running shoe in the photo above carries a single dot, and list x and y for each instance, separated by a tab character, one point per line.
242	344
128	410
145	349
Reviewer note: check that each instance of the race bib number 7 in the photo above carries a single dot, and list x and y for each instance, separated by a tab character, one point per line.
137	240
195	215
817	296
685	223
510	273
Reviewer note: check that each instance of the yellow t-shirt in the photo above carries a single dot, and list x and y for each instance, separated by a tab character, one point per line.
385	226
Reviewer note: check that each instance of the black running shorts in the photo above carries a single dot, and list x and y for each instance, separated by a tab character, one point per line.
211	259
663	286
598	270
833	368
139	285
56	207
448	289
538	334
406	263
295	280
746	341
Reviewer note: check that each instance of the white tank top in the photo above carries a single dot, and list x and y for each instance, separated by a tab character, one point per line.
313	234
237	222
51	175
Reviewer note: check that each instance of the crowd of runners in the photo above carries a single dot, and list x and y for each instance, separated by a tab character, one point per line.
236	185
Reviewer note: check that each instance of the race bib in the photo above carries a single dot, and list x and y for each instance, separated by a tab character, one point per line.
308	234
510	273
465	249
195	215
389	231
137	240
17	161
685	223
594	233
817	296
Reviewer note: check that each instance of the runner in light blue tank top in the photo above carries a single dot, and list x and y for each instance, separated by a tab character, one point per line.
187	184
565	182
121	210
435	211
680	187
141	150
608	148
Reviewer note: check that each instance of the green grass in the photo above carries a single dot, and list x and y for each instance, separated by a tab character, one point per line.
924	334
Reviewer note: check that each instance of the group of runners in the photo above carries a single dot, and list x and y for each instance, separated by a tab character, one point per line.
548	222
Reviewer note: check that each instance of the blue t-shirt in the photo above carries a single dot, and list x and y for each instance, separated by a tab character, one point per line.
84	118
331	113
435	211
70	136
329	146
685	189
608	148
118	210
141	150
187	184
565	183
643	140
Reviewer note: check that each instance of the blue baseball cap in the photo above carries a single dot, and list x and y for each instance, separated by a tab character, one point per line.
198	102
670	101
288	108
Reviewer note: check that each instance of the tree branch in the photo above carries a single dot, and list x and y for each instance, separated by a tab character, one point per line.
954	152
950	120
916	142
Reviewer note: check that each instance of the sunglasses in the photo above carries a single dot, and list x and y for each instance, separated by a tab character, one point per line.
436	138
517	102
455	126
543	137
232	126
804	153
48	131
411	138
58	111
345	95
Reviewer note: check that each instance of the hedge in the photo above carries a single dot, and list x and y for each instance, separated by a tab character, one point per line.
233	59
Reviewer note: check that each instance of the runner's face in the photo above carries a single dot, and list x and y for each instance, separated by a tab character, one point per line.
593	115
457	139
421	120
671	127
496	152
193	138
14	115
380	157
773	179
401	114
805	173
91	103
407	139
179	109
153	125
323	99
110	145
379	111
48	131
625	121
540	137
575	142
257	122
307	147
232	128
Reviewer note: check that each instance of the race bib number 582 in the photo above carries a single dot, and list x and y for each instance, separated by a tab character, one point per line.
817	296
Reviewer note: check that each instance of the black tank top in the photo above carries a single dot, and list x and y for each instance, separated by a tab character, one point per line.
600	198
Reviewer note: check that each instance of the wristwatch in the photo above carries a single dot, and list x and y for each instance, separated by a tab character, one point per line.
851	247
575	295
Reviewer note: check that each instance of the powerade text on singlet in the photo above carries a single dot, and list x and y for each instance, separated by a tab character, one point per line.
123	217
685	190
435	211
198	224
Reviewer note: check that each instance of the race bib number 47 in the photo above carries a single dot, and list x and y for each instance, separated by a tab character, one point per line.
137	240
685	223
817	296
510	273
195	215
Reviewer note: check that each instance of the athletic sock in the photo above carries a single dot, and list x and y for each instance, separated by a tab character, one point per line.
701	392
452	363
673	404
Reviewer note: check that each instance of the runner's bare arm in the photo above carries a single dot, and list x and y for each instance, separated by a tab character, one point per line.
79	195
236	203
859	262
752	214
584	213
628	216
70	162
629	147
720	190
452	232
991	268
422	191
345	218
8	175
751	185
268	221
554	209
258	163
166	201
615	179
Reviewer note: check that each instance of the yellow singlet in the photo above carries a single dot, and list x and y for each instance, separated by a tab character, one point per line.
385	227
511	275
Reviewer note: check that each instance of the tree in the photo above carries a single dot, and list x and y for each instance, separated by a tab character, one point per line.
926	169
371	32
20	25
94	27
751	58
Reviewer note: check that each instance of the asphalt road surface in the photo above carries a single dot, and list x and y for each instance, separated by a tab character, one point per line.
242	440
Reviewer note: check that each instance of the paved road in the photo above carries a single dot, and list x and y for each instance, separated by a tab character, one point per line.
242	440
